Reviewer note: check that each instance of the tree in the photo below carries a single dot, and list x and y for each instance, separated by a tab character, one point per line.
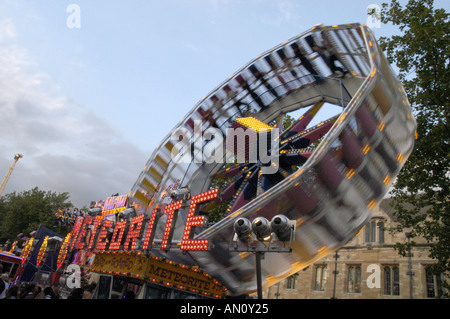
421	192
24	212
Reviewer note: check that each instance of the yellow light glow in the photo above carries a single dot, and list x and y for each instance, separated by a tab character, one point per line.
366	149
254	124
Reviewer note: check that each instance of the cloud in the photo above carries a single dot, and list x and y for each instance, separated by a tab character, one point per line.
66	148
7	29
286	11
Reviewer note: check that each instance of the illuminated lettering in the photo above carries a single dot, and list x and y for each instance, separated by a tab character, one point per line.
114	202
80	243
119	231
102	240
192	220
97	222
150	234
177	277
133	232
75	231
171	210
107	205
92	233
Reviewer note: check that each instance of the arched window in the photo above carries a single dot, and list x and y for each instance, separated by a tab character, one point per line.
291	282
381	232
370	232
320	277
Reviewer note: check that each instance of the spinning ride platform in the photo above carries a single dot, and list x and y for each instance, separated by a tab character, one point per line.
332	172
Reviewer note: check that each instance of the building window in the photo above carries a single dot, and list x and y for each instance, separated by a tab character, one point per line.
371	232
433	283
391	281
320	277
354	278
381	232
291	282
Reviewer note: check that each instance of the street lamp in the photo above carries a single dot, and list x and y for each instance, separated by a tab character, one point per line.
261	228
242	230
282	227
270	234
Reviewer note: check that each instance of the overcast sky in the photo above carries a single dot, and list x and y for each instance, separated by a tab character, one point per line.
87	106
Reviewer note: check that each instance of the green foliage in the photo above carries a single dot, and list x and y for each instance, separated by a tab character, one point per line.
421	52
24	212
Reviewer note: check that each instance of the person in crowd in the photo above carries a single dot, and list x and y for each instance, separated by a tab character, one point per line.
29	291
332	57
39	292
49	293
301	55
7	245
243	83
56	288
270	61
12	292
259	76
89	291
76	293
327	53
3	284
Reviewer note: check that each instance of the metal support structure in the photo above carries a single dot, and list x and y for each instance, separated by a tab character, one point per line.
335	272
410	273
258	256
260	247
5	180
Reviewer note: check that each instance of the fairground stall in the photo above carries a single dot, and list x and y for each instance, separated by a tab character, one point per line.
119	272
10	263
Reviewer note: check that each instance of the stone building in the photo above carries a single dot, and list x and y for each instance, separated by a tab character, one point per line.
368	267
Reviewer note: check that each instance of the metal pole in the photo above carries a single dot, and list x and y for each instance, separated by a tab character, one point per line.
410	272
258	255
335	272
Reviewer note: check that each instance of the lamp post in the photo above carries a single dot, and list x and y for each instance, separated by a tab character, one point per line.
248	237
335	272
410	273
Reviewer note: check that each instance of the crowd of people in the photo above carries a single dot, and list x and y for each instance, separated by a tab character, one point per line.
32	290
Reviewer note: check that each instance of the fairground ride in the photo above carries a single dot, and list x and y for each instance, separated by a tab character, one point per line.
331	172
